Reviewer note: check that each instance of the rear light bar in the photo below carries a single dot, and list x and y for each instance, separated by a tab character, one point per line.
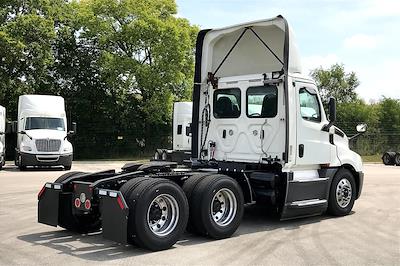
114	194
50	186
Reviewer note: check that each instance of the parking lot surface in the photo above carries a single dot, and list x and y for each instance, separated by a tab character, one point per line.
370	235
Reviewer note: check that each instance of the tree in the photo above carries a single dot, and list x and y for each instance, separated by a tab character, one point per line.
146	59
27	33
337	83
389	122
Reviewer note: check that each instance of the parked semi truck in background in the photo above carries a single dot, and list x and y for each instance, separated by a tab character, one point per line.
259	135
181	135
391	158
2	136
42	132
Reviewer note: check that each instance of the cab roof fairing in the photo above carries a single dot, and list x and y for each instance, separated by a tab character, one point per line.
250	55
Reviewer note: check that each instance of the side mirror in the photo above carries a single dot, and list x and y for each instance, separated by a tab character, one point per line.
361	128
73	129
332	109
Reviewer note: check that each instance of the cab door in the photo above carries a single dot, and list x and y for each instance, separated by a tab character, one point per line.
313	145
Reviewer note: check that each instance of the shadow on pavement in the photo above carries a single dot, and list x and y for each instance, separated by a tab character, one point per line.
94	247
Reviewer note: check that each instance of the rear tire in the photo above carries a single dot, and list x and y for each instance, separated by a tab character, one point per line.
397	159
164	155
149	225
388	158
342	193
216	206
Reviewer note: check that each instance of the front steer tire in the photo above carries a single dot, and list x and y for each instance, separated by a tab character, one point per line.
205	204
342	181
141	198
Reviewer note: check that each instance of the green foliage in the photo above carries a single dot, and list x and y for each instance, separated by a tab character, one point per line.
119	65
382	118
337	83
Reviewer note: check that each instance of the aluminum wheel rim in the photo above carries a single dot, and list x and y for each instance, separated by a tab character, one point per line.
343	193
163	215
164	156
223	207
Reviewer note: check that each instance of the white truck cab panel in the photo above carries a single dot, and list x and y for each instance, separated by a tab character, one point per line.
182	118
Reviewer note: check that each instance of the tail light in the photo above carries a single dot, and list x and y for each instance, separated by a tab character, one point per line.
87	204
77	202
41	192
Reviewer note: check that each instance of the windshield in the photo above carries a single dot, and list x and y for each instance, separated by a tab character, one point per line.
44	123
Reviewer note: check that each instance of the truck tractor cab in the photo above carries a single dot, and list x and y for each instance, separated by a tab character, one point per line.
42	132
254	110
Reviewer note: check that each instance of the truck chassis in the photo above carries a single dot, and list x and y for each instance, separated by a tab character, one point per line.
148	204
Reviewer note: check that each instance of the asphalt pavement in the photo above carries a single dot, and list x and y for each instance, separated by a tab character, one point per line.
370	235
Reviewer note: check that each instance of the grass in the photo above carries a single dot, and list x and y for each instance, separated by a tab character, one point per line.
377	158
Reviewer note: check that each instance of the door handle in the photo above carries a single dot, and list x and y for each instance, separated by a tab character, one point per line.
224	134
301	150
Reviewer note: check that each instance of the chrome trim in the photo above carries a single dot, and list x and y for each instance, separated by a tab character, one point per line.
310	202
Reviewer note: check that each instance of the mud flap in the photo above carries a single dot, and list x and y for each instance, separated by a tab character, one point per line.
48	203
114	214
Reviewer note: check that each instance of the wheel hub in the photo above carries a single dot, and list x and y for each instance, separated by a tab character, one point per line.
155	212
163	215
223	207
343	193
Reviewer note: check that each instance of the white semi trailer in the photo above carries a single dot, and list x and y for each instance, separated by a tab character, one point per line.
2	136
259	135
181	135
42	132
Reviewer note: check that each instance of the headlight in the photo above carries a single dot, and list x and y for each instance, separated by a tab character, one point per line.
67	149
26	148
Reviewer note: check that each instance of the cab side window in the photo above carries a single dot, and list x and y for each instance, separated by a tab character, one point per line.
226	103
309	105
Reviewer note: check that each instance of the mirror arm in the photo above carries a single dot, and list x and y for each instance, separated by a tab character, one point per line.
356	136
327	126
24	133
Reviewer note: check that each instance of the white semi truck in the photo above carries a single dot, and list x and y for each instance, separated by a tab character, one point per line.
2	136
181	135
42	132
259	135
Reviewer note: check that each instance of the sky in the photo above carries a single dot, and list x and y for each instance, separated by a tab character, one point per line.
364	35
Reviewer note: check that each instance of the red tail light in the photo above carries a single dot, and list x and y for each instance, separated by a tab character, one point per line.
77	202
87	204
41	192
120	203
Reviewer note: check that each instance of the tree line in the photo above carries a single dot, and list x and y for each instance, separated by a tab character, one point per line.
382	117
120	65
